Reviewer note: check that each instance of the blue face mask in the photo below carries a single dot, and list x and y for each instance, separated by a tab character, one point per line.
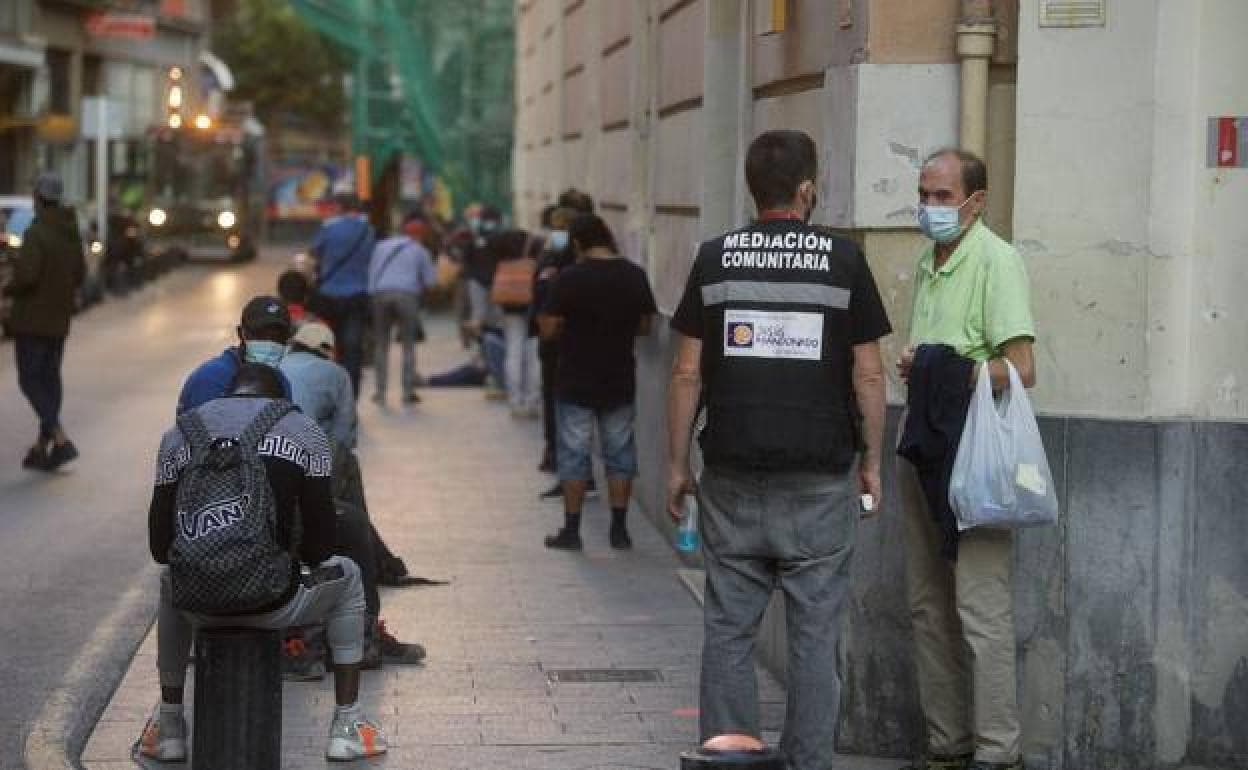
264	352
558	240
941	223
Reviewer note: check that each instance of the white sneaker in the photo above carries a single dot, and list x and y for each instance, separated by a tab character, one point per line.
164	737
354	737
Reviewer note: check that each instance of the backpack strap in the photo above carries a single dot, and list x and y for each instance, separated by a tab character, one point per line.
264	421
194	431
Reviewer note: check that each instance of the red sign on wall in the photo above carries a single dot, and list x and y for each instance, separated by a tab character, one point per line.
1228	142
130	26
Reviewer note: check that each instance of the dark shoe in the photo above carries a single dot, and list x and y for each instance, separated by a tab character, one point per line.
394	651
620	539
391	566
565	540
591	491
61	454
411	397
36	459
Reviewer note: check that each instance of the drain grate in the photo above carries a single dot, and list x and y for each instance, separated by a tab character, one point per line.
603	675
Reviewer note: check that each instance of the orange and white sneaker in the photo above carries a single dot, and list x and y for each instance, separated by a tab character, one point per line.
164	737
351	736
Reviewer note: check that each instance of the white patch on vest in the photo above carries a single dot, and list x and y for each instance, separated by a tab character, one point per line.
767	334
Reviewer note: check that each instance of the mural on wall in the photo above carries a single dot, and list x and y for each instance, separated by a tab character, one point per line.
306	191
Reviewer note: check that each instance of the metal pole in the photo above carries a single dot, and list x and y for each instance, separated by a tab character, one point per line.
101	171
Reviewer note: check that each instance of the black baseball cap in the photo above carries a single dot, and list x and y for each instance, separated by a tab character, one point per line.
265	312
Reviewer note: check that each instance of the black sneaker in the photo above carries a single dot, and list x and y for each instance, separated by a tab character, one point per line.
36	459
556	491
565	540
61	454
620	539
394	651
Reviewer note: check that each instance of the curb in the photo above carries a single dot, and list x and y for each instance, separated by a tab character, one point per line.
57	736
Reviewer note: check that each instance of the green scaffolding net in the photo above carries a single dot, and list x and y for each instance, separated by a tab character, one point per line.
432	80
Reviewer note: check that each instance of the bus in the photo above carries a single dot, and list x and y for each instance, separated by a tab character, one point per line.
205	192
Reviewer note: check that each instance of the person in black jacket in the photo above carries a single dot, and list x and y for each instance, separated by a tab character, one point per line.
49	270
297	460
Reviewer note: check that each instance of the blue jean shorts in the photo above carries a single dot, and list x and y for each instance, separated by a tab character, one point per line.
576	441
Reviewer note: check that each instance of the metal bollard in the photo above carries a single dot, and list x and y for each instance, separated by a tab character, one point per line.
767	759
238	700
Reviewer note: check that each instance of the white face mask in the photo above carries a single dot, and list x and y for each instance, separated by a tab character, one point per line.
264	352
942	224
558	240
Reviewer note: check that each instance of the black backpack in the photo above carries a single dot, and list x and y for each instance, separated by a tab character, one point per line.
225	558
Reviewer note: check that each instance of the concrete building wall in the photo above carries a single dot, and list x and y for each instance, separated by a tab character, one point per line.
1130	613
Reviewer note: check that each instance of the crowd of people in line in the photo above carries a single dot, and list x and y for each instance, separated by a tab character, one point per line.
555	316
776	347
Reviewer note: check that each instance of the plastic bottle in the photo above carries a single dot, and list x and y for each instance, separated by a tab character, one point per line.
687	533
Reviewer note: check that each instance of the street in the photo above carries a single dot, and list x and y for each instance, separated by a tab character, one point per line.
73	542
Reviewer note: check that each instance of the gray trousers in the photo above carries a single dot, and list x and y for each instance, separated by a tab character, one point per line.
760	531
391	308
337	603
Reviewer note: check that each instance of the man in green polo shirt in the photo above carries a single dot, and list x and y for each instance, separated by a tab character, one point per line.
970	293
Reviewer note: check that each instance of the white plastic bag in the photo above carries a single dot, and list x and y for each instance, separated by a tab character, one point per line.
1001	477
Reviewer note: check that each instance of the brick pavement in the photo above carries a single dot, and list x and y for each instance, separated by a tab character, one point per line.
452	487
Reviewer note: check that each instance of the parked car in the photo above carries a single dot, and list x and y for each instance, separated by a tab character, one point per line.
16	214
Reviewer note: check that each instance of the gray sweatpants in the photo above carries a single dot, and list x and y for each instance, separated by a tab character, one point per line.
338	603
760	530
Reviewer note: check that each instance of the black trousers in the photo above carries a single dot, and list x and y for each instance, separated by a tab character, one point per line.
39	376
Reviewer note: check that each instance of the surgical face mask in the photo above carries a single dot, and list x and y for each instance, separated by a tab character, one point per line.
558	240
942	224
264	352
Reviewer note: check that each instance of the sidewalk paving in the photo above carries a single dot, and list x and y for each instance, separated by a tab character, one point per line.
452	487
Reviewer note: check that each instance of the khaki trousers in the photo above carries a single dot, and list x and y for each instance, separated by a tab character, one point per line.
963	619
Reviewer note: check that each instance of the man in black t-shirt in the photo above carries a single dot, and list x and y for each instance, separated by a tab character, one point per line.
777	335
597	309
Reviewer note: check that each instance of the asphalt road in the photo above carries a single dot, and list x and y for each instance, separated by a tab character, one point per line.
73	542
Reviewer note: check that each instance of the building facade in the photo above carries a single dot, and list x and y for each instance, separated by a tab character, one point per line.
53	53
1117	170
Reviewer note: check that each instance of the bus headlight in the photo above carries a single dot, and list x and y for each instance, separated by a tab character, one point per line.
157	217
97	247
226	219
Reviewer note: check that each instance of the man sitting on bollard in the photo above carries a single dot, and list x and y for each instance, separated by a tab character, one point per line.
777	334
294	454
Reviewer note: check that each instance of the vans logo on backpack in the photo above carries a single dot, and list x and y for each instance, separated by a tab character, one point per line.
218	516
226	557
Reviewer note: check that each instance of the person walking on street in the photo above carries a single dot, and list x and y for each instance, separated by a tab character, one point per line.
597	309
343	247
400	271
49	270
777	336
971	294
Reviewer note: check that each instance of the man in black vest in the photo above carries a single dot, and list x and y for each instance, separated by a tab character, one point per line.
777	336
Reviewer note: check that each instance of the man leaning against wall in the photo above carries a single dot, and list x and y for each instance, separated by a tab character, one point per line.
971	293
